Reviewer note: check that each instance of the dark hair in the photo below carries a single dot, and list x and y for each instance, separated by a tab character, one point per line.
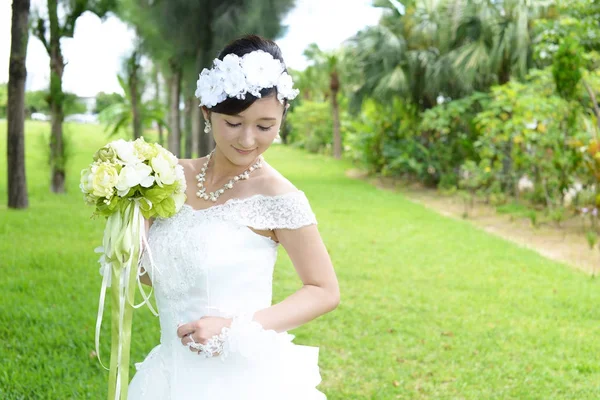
244	45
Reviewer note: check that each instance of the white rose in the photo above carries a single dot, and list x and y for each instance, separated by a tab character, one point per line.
165	173
180	177
133	175
125	151
86	183
179	199
170	157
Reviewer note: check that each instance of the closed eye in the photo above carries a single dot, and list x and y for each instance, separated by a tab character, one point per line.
233	125
265	128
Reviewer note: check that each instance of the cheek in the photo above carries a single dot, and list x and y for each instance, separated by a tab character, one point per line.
225	133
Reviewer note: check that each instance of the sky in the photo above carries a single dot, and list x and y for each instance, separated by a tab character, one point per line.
95	54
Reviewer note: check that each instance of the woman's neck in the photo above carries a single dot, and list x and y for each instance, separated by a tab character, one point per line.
221	169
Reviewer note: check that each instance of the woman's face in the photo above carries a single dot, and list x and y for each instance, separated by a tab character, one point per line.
252	131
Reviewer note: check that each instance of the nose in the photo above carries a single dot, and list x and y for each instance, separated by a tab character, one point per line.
246	140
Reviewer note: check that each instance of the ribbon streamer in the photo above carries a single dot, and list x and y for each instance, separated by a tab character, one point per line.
123	243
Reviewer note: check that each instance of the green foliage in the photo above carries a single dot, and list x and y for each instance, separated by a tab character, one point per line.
566	68
448	133
37	101
118	117
311	126
73	105
524	132
443	48
383	139
104	100
571	18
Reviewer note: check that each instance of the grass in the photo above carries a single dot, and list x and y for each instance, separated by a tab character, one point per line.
432	308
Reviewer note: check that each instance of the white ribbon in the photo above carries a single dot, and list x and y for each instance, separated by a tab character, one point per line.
114	225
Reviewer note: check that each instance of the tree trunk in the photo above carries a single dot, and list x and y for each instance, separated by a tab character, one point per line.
57	151
174	115
504	74
135	95
337	137
161	135
17	74
188	127
196	125
161	138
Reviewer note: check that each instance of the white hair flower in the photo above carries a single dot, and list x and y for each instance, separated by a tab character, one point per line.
285	85
235	76
209	88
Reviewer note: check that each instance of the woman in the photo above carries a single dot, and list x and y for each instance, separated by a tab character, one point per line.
211	264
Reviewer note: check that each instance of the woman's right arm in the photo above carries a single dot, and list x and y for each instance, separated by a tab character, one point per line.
145	278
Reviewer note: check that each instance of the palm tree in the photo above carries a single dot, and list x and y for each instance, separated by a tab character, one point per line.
449	48
120	116
326	69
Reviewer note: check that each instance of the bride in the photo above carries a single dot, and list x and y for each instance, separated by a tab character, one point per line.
211	264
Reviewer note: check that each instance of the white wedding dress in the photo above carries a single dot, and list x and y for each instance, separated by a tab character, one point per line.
209	263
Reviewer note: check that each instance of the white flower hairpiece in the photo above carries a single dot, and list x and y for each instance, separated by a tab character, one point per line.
235	76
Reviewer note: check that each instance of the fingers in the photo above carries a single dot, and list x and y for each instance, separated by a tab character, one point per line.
187	339
185	329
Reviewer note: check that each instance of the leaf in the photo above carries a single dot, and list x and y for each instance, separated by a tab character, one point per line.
165	208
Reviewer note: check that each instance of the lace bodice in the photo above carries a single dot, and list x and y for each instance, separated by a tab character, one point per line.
208	262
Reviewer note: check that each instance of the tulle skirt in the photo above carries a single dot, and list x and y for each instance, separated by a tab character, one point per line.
275	369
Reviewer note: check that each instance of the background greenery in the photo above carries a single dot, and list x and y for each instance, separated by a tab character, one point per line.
481	97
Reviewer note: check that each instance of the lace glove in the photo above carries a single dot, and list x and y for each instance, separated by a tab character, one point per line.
247	338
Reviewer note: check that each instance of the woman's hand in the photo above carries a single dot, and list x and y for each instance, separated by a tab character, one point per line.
201	330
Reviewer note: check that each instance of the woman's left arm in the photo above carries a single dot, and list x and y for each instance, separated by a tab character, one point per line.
320	292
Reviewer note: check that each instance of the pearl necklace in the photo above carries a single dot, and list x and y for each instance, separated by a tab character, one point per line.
201	178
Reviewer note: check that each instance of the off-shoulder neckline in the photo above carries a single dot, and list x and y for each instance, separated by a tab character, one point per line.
237	200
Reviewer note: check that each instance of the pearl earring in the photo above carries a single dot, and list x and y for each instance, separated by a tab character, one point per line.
207	127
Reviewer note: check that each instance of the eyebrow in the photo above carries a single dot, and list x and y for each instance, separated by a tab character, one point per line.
260	119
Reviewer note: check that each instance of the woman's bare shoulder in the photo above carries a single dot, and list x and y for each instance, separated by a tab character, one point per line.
273	183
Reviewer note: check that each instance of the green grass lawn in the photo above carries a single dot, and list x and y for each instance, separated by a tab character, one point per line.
432	308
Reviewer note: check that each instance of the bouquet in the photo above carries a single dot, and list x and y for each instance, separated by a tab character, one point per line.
127	182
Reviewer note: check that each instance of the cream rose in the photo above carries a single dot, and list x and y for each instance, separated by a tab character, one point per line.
104	180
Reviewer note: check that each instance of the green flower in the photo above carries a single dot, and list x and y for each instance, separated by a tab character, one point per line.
145	150
106	154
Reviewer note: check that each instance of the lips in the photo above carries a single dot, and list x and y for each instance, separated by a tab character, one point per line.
243	152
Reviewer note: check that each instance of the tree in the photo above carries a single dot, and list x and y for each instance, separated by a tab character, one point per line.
183	37
120	116
329	65
444	48
15	149
135	89
72	9
104	100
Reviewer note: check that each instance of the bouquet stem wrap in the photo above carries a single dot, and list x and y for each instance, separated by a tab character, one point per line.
124	236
